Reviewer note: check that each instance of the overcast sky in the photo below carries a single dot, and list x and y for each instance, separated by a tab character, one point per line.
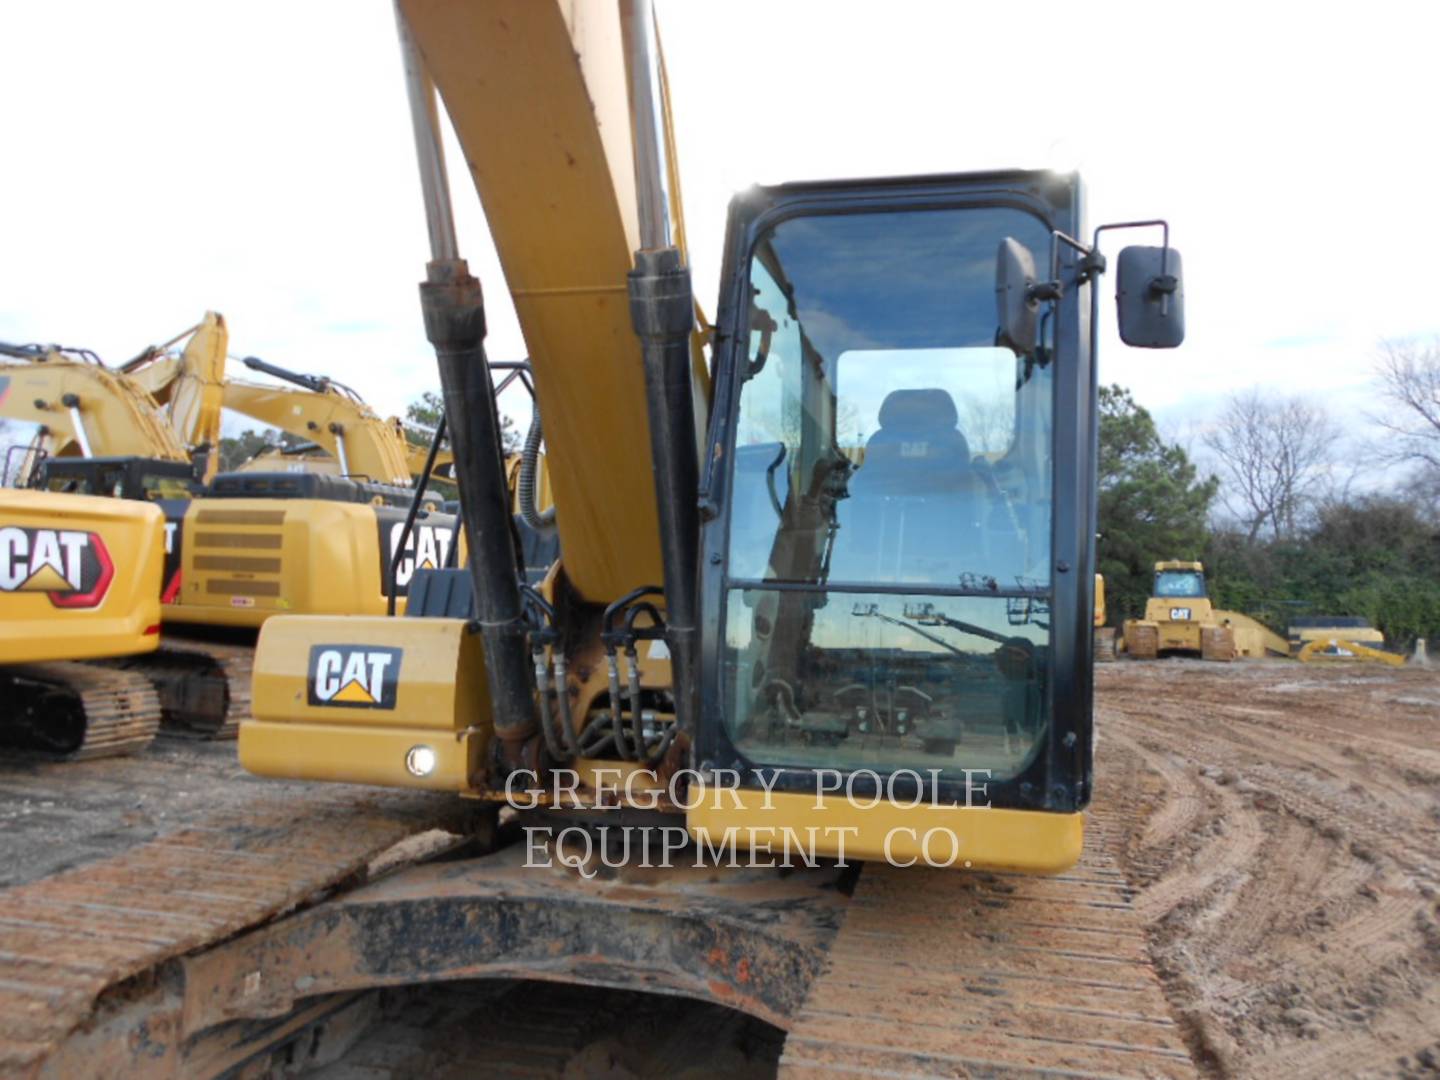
166	158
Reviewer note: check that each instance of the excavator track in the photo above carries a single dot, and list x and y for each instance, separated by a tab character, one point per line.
71	936
204	686
942	974
78	711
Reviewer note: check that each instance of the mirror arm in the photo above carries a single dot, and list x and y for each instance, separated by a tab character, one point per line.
1165	284
1056	239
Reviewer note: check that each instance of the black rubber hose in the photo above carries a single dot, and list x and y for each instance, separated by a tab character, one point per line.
529	473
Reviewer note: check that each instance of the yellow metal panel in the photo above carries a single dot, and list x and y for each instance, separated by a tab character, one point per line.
518	98
1252	638
971	837
356	756
329	554
32	627
439	701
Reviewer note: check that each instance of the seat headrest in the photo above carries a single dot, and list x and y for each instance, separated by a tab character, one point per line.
918	410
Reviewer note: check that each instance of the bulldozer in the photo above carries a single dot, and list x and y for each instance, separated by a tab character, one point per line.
1179	618
1107	638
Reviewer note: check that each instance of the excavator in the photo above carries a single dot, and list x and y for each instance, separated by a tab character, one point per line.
237	546
803	612
136	426
79	580
330	416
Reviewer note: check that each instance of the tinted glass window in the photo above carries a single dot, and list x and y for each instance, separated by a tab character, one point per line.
1179	583
883	439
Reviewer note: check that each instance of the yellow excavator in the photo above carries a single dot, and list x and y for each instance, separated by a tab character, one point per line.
106	457
794	596
241	546
161	408
79	580
331	416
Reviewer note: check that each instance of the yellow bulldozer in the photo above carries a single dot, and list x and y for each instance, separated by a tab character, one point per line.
1179	618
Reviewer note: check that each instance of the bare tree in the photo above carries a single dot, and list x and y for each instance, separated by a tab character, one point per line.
1275	454
1408	374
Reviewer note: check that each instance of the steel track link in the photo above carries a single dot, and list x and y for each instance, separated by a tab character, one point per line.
943	974
204	686
67	938
105	712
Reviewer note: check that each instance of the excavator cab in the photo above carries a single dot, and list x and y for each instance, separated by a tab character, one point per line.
891	488
147	479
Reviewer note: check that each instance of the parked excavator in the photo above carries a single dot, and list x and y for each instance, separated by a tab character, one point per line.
159	409
79	580
756	612
242	545
799	610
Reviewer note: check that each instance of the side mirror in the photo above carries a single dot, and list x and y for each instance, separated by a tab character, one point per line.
1150	297
1016	308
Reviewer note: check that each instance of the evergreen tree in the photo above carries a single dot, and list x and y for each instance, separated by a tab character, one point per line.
1153	503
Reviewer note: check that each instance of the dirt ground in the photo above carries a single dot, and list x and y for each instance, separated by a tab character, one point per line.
1279	824
1286	847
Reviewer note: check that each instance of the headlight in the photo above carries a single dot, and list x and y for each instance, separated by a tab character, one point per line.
420	760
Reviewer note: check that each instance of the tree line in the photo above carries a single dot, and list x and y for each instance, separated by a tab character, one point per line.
1279	515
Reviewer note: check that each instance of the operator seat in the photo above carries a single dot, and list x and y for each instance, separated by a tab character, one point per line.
917	507
918	450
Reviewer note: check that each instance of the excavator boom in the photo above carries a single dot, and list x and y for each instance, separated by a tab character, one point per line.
86	409
341	424
565	244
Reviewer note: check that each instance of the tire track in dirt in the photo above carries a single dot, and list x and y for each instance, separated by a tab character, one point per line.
1286	846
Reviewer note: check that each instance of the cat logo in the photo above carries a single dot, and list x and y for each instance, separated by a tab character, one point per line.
72	568
1179	614
353	676
426	549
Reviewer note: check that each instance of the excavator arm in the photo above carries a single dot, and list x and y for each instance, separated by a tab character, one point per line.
158	406
190	386
566	246
321	412
86	409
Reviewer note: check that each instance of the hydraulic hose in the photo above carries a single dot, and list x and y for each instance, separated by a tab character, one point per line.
529	473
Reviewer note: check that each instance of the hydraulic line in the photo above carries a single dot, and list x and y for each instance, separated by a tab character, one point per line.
529	474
